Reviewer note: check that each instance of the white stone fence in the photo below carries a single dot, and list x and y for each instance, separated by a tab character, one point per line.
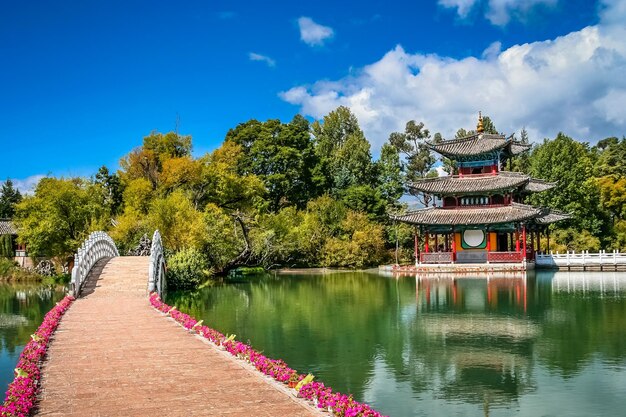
580	259
156	269
98	246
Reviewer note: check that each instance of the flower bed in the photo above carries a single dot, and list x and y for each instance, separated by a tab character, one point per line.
22	392
323	397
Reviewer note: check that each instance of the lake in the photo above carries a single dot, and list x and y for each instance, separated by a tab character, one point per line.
550	343
22	308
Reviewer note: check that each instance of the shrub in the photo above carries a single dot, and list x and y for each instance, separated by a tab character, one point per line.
187	269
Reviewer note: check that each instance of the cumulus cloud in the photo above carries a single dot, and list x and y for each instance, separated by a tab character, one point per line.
262	58
498	12
27	185
313	34
574	83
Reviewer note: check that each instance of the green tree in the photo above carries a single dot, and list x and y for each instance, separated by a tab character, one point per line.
570	164
521	163
343	151
281	155
9	197
390	177
110	188
419	159
58	217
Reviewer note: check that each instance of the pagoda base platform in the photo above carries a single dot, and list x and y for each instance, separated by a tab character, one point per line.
457	268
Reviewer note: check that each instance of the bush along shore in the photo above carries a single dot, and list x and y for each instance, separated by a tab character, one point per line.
321	396
22	392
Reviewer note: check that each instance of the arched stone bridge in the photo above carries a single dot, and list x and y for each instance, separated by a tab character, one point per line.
114	355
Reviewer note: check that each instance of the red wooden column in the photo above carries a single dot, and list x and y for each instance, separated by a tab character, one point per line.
426	243
517	240
453	247
416	251
524	240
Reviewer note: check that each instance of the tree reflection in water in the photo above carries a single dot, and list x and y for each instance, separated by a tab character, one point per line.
409	344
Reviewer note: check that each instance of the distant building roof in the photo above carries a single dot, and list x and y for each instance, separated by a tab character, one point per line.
478	144
479	183
7	227
472	216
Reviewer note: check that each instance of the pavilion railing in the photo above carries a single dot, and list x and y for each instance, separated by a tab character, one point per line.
436	257
504	257
98	246
156	269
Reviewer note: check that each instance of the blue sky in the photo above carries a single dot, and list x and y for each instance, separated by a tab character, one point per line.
84	81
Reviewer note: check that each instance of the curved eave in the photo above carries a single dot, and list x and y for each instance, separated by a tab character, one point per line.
471	216
552	216
517	148
473	145
469	185
537	186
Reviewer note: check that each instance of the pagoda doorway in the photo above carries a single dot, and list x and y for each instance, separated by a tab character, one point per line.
502	242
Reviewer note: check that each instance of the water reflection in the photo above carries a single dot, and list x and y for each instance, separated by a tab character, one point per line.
439	346
22	307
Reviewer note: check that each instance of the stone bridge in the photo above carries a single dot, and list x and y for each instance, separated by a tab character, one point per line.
115	355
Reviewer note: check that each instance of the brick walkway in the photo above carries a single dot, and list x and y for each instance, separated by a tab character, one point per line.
114	355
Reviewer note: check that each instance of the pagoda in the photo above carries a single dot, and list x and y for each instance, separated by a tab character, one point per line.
480	216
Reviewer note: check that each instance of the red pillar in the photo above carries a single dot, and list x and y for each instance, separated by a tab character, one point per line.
517	240
453	248
426	243
488	242
524	240
416	248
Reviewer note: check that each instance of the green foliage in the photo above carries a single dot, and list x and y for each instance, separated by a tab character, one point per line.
6	246
9	197
360	243
110	188
180	224
419	159
390	176
570	164
281	155
187	269
343	151
59	216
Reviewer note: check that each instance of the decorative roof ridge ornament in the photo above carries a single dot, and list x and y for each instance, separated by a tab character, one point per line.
479	127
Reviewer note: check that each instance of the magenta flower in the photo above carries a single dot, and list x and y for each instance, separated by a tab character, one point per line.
323	397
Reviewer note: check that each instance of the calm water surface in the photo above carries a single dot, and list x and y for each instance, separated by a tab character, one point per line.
548	344
22	307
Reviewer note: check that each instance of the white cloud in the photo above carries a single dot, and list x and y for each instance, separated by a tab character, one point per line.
313	34
498	12
27	185
263	58
574	83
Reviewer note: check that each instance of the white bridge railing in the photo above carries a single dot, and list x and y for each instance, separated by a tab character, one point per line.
98	246
580	259
156	270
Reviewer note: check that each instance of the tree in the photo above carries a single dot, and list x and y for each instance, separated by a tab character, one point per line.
281	155
521	163
390	177
570	164
111	189
419	159
343	151
58	217
9	197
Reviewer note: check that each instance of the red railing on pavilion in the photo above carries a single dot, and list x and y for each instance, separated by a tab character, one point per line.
436	257
505	257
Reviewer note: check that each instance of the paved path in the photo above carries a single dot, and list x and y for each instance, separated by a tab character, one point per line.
114	355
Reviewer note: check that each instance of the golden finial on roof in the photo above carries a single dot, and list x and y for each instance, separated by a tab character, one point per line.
479	127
